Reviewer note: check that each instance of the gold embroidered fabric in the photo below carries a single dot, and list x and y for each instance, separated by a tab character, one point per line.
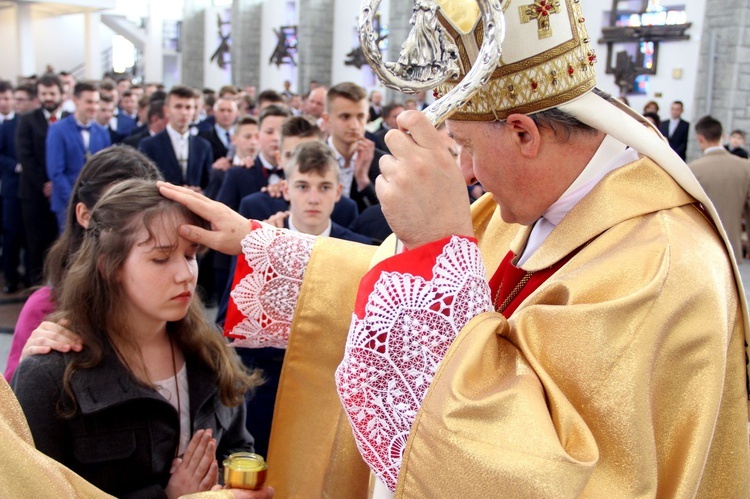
621	376
312	451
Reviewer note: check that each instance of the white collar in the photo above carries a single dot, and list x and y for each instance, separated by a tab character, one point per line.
612	154
325	233
57	114
713	148
266	164
9	116
175	135
340	157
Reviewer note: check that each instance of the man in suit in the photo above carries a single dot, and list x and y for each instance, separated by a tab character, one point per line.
725	178
183	159
155	123
6	102
35	188
220	134
390	113
376	105
736	143
676	129
123	120
104	113
12	222
70	143
345	118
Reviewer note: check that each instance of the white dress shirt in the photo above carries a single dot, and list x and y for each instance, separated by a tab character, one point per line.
611	155
181	146
346	170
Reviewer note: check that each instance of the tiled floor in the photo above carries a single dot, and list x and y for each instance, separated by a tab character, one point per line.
10	306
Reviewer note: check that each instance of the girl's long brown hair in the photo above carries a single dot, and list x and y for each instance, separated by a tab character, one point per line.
91	297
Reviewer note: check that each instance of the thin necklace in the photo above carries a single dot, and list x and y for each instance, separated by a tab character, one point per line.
177	389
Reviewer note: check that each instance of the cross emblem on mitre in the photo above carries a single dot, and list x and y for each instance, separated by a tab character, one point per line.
540	11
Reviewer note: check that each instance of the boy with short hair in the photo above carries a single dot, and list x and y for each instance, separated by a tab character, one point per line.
736	143
312	189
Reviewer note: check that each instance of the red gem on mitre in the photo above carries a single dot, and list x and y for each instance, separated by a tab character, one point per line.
571	70
534	85
435	94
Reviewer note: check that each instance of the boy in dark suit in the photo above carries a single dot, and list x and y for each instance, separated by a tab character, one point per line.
69	145
25	101
183	159
35	188
240	181
345	118
676	129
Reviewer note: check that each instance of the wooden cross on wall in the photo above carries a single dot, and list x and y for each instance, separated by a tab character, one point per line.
540	11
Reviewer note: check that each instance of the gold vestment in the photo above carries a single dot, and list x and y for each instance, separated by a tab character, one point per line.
622	375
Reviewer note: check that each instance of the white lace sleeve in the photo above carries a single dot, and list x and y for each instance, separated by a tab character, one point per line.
393	352
267	296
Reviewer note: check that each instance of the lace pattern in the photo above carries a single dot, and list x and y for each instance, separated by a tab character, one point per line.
393	352
267	296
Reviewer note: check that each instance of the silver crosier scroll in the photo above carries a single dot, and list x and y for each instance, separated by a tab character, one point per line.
429	57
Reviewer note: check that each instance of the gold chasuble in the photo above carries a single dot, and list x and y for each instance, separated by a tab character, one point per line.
620	376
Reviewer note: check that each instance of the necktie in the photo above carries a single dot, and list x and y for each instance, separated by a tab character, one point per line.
52	119
229	138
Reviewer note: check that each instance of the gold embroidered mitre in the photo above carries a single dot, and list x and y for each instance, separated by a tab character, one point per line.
547	59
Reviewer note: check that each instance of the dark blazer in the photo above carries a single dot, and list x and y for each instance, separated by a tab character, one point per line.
134	139
124	436
740	152
372	224
125	124
31	139
240	181
679	140
217	146
260	206
66	156
159	149
367	197
207	124
380	140
374	113
8	159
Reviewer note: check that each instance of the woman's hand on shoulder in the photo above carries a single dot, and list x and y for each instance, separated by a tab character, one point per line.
51	336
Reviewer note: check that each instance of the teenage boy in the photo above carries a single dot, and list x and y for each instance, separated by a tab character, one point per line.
261	205
345	118
240	181
312	189
183	159
70	143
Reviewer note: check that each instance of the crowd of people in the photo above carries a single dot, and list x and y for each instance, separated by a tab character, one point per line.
305	164
580	331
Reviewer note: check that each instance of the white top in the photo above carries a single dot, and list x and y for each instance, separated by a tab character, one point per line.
272	178
167	388
180	144
85	134
346	170
612	154
325	233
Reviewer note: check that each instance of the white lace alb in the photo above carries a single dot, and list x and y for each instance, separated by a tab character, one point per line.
393	352
267	296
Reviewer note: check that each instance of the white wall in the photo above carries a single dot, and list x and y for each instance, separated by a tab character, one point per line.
276	13
9	66
672	55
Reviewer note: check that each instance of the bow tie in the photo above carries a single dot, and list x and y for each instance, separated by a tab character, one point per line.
83	128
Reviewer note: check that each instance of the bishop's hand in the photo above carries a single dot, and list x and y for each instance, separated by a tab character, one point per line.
421	190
